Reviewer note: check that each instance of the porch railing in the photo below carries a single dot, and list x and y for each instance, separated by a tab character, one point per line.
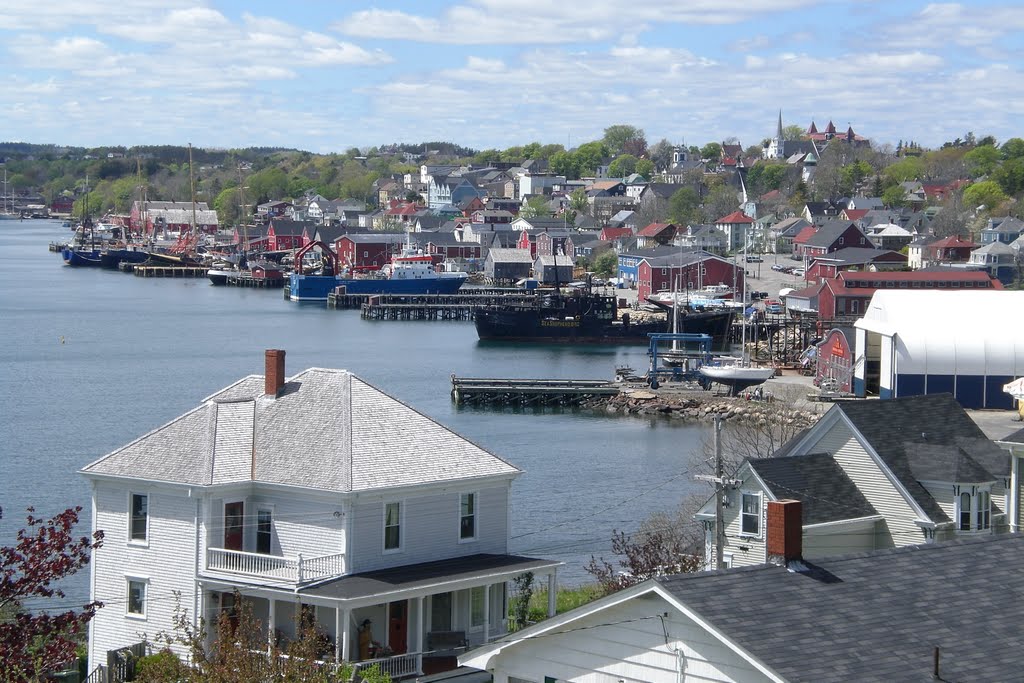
395	666
298	570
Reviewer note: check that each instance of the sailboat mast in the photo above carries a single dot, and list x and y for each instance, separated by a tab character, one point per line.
192	183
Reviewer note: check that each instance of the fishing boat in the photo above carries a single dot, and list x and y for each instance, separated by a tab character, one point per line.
411	272
6	213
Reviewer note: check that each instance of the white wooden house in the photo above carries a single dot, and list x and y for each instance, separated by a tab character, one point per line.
318	490
872	475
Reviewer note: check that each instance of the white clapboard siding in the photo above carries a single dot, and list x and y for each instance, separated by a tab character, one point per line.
597	648
309	527
755	552
430	529
899	528
168	561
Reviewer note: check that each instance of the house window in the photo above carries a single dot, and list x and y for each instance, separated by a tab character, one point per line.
965	512
840	240
392	526
750	514
476	606
467	516
139	525
137	597
854	306
984	510
264	526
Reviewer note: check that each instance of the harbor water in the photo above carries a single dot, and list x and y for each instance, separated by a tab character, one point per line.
92	359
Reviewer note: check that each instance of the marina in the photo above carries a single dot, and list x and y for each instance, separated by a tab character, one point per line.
524	392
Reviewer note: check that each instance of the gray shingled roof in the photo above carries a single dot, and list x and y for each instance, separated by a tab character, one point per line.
327	430
1015	437
875	616
829	232
895	427
858	255
818	482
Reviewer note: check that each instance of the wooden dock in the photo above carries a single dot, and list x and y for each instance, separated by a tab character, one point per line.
245	280
461	306
142	270
532	392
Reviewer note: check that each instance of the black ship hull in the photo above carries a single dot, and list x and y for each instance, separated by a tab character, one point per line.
538	326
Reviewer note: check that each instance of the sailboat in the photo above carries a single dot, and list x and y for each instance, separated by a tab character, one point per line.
83	251
737	374
5	211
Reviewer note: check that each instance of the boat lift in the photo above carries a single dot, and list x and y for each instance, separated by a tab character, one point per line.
695	352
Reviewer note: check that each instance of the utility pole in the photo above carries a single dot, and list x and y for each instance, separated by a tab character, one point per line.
720	483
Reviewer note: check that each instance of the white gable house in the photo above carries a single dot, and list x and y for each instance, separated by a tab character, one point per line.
316	491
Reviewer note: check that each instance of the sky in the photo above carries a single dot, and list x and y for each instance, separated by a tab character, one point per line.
325	76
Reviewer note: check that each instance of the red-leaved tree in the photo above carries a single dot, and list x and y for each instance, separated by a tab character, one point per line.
46	551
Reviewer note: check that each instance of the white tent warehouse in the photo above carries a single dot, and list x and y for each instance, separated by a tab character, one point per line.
967	343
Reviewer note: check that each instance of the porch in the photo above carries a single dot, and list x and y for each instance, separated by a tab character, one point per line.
274	568
410	620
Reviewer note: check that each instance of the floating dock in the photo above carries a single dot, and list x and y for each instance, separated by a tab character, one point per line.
534	392
169	271
458	306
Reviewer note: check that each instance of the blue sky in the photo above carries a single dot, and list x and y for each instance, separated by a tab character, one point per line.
325	76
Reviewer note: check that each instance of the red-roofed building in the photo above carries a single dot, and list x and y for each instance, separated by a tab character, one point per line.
656	234
950	249
801	239
853	214
847	295
854	258
610	234
736	227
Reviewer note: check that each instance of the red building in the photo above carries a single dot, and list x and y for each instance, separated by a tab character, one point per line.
609	234
656	234
830	236
835	359
283	235
950	249
444	246
848	294
545	242
62	205
690	270
366	252
854	258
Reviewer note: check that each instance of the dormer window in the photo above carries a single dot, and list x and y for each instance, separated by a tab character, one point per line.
974	511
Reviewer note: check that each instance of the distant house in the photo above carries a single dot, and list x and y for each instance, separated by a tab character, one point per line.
833	236
656	234
367	251
784	233
704	237
546	242
655	197
508	265
854	258
446	247
950	249
553	269
737	230
889	236
848	294
689	270
177	217
273	209
998	259
1002	229
817	212
283	234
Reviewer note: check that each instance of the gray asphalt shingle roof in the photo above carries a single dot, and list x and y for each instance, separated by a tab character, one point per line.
327	430
875	616
826	492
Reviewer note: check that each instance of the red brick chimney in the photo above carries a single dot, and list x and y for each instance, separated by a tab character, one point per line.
785	532
274	375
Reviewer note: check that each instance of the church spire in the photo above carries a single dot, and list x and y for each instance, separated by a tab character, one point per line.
779	132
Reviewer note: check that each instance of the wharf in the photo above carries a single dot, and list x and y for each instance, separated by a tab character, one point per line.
459	306
246	280
141	270
540	392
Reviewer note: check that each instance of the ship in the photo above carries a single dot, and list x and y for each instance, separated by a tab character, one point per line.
411	272
588	317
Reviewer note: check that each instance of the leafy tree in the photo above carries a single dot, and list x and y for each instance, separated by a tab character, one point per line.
645	167
578	201
661	154
1012	149
894	197
623	165
684	206
720	201
1010	175
654	550
239	652
907	168
852	175
535	207
226	205
45	553
798	198
590	155
981	161
606	264
565	163
792	132
625	139
987	193
711	152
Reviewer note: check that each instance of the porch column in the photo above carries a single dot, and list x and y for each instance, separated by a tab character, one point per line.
420	624
271	624
487	613
341	635
552	592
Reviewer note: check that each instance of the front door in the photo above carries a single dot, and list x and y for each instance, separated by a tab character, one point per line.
233	525
398	627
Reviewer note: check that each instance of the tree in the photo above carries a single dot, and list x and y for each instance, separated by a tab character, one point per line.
45	553
981	161
852	175
625	139
654	550
907	168
894	197
578	201
661	154
623	165
1010	175
684	206
720	201
565	163
985	194
607	264
589	156
1012	149
645	167
536	207
792	132
711	152
239	652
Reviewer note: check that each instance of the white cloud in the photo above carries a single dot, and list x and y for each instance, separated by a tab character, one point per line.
968	26
489	22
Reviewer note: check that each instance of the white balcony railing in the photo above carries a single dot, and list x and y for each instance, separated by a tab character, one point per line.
395	666
297	570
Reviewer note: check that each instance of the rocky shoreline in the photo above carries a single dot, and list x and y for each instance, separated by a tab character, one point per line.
701	406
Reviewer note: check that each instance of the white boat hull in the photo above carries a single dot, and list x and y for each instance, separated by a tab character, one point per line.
737	377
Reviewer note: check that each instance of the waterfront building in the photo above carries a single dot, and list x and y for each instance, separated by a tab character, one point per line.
313	494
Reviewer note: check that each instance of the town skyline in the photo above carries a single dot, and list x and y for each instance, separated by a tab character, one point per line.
486	74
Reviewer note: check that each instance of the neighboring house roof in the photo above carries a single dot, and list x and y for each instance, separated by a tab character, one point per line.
562	260
828	233
952	242
377	237
655	229
734	217
851	256
818	482
327	430
499	255
898	428
995	248
791	227
283	228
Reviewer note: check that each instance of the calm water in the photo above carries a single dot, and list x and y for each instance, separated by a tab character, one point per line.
138	352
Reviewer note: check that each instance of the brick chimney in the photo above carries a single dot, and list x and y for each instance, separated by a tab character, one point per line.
785	531
274	375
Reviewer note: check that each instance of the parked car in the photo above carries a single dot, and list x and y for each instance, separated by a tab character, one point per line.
773	306
799	272
754	259
778	267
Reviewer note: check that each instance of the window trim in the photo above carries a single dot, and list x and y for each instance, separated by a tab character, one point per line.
129	579
384	526
270	532
760	514
475	515
483	607
144	541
